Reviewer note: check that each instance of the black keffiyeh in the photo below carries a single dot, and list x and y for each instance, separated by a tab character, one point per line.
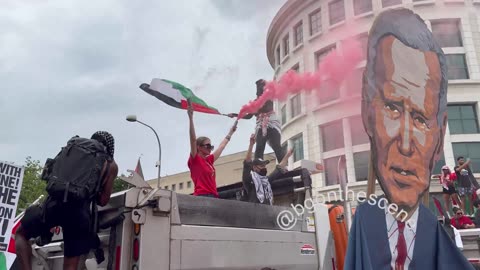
107	139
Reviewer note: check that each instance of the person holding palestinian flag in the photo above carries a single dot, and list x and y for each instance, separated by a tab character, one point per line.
201	160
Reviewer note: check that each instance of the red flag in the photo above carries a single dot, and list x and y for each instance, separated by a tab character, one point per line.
11	246
138	169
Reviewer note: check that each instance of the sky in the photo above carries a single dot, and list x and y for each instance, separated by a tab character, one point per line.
71	68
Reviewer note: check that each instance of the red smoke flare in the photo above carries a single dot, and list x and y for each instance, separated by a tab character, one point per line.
332	71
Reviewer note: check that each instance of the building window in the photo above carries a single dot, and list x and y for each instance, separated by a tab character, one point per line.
457	66
327	93
284	114
286	45
363	40
278	55
447	33
316	22
180	186
166	187
332	136
296	68
469	150
173	187
361	161
319	55
336	11
462	119
389	3
298	30
331	171
189	184
359	135
354	83
362	6
295	104
297	143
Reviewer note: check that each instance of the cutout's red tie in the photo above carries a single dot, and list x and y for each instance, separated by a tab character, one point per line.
401	246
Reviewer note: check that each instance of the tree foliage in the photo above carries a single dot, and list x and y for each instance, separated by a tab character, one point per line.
120	185
32	186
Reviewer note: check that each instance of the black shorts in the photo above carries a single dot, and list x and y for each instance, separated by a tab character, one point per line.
451	190
75	221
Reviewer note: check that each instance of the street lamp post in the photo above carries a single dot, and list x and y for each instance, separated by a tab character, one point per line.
133	118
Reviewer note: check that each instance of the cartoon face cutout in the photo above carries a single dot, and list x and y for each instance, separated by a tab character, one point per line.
404	115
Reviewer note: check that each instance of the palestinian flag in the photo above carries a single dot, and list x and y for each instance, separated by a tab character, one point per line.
176	95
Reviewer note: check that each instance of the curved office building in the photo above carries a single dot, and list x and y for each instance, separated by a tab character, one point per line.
328	128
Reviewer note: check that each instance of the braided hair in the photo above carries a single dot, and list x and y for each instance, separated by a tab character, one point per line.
106	139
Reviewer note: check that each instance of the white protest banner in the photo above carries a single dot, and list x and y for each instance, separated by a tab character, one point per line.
11	179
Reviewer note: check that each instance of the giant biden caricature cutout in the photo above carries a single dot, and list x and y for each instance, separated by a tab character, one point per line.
404	111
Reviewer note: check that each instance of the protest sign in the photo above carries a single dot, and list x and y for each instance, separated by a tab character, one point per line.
11	179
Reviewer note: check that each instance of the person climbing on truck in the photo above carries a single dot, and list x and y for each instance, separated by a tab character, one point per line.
81	176
257	185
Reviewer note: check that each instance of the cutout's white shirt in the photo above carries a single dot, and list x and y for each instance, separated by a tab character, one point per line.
409	233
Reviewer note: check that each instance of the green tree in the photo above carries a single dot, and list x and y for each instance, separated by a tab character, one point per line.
32	186
120	185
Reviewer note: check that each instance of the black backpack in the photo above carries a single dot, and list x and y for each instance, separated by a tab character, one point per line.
75	173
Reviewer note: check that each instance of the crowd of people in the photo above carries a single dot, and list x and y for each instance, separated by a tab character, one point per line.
459	185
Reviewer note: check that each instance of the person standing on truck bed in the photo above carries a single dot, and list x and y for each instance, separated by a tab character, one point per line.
74	216
268	127
201	160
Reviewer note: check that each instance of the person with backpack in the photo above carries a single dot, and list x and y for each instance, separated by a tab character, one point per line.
78	179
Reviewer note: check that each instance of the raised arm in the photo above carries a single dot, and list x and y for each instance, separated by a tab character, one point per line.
247	164
193	137
461	167
225	141
250	148
107	187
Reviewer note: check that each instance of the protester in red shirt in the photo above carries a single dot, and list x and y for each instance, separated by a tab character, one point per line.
201	160
460	221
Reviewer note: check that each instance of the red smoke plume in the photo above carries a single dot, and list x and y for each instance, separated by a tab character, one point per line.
332	71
